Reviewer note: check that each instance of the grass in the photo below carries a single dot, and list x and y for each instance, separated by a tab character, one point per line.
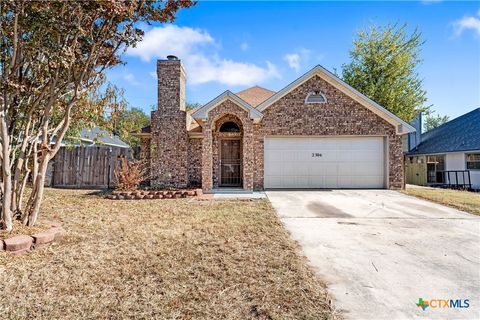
462	200
19	228
164	259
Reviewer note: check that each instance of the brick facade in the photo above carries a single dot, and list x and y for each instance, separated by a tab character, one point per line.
194	162
169	165
210	145
178	160
145	155
341	115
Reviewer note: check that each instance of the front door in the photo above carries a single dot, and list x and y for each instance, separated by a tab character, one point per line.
230	163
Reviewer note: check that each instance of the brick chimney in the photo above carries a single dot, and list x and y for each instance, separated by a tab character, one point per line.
171	85
169	131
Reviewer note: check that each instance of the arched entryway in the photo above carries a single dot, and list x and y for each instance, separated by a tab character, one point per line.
227	121
228	152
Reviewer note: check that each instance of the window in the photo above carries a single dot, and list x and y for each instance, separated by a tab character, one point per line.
473	161
229	126
435	168
315	97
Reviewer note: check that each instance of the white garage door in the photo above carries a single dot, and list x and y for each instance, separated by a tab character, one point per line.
336	162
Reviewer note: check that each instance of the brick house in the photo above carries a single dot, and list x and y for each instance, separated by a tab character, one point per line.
317	132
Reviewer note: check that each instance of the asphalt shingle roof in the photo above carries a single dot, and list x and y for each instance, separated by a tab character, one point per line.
101	135
459	134
255	95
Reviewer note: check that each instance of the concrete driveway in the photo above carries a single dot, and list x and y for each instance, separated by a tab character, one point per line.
379	251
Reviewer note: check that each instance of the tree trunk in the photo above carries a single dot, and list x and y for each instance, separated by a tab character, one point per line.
16	184
37	192
20	168
21	192
35	161
6	174
26	173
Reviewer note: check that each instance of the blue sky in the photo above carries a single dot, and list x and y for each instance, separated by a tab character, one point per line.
235	45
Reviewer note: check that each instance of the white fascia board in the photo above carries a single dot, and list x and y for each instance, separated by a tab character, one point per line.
401	126
202	113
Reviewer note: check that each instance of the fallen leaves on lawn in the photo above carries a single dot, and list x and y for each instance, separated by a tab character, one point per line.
166	259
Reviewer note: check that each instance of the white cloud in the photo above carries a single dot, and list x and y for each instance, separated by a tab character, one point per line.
161	41
468	23
244	46
153	74
296	59
293	60
198	51
131	79
204	69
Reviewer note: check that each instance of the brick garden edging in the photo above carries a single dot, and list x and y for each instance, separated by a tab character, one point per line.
22	244
152	194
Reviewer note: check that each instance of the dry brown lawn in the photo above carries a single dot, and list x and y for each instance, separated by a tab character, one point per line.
19	228
462	200
164	259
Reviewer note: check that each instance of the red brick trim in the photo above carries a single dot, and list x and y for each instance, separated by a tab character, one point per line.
153	194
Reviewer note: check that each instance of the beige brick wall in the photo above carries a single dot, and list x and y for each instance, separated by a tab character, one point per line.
169	165
179	161
210	145
341	115
195	162
145	148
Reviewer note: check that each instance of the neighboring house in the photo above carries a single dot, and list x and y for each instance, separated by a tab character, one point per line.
99	137
317	132
446	155
87	161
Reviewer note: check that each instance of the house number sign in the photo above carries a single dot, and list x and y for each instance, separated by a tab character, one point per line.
316	154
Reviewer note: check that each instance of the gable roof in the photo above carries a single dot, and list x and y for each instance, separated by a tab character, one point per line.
202	113
459	134
255	95
401	126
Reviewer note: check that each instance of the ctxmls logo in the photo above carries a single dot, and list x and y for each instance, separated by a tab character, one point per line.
422	304
443	303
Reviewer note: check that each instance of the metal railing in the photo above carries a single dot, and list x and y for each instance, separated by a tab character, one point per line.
457	179
230	175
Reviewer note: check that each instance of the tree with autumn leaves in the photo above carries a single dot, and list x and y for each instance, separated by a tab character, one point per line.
52	55
118	117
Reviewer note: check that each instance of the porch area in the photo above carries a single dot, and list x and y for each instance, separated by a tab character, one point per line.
226	151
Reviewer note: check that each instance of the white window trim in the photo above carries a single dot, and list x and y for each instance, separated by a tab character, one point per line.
316	93
466	161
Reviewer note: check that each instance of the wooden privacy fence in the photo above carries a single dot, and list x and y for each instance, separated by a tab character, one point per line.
86	167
